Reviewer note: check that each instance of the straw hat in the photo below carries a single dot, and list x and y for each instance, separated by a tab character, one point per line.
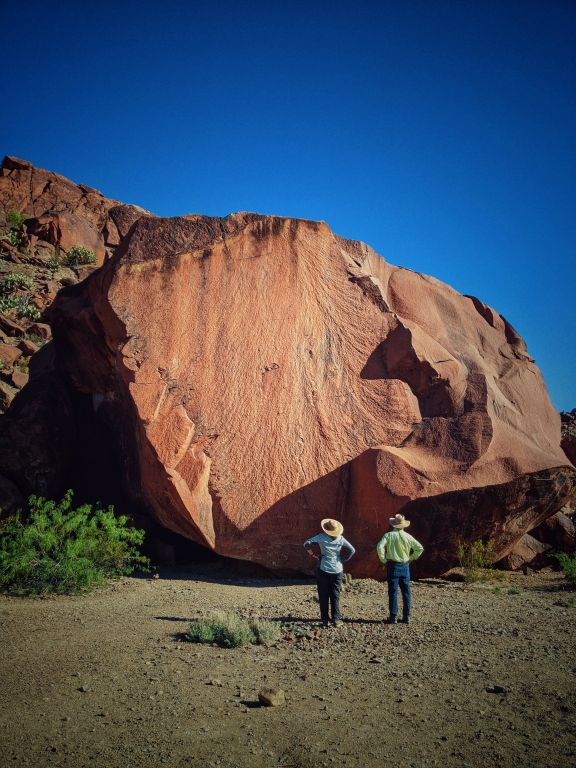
398	521
332	527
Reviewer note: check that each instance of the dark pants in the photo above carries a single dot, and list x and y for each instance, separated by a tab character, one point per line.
398	575
329	591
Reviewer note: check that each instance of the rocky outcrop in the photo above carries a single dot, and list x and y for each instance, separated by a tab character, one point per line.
62	213
262	373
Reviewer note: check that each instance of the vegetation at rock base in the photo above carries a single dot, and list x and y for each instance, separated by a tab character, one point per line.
229	630
57	548
568	565
15	219
476	559
78	255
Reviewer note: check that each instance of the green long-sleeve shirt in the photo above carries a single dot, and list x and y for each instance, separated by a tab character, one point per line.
398	546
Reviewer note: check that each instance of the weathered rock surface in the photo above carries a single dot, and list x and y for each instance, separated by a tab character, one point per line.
262	373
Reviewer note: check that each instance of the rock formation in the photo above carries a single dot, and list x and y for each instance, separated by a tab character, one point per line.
260	373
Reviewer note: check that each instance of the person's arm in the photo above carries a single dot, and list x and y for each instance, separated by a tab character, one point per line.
349	551
417	549
308	546
381	550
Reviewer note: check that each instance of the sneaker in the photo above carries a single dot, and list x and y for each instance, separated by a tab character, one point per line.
404	621
338	623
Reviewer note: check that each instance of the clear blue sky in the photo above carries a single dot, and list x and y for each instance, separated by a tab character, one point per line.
441	133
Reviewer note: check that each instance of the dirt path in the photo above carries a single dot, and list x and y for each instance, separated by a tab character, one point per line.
106	680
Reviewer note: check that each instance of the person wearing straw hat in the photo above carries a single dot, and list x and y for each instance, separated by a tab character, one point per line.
330	570
397	549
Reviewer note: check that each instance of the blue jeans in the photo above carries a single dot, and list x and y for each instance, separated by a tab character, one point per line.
398	574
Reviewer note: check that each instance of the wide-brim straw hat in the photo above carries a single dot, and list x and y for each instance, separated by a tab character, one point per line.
398	521
332	527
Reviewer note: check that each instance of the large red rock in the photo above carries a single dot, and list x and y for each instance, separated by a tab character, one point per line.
263	373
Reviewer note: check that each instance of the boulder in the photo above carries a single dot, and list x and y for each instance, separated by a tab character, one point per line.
9	354
528	551
264	373
558	531
65	230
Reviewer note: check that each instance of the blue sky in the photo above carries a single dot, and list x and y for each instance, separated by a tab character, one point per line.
441	133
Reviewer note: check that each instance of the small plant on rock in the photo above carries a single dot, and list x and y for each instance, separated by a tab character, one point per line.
14	238
15	219
53	264
16	281
78	256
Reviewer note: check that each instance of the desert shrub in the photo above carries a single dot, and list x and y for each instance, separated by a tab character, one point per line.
53	264
15	281
568	565
476	558
225	629
15	219
265	631
14	238
21	306
60	549
78	255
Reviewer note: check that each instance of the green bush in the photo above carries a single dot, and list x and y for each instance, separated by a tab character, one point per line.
78	255
65	550
16	281
53	264
568	565
229	630
476	560
15	219
265	631
21	306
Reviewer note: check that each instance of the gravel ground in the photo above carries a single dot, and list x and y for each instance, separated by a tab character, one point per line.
484	676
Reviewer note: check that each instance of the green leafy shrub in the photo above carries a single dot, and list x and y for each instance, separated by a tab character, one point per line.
21	306
229	630
476	560
14	238
265	631
568	565
53	264
15	219
16	281
78	255
65	550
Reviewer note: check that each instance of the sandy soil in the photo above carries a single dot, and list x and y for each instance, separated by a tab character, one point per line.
106	680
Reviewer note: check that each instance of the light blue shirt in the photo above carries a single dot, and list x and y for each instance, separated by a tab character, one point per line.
330	548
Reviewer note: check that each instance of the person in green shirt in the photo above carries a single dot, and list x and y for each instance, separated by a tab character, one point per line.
397	549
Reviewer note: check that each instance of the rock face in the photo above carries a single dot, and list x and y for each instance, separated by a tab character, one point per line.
262	373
